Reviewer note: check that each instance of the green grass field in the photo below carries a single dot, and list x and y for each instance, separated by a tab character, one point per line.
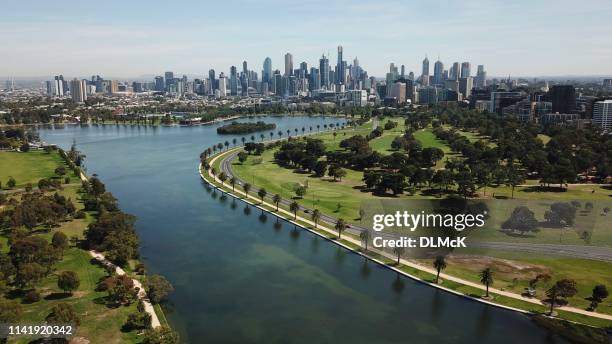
28	167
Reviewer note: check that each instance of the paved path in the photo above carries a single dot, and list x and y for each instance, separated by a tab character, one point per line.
142	294
322	226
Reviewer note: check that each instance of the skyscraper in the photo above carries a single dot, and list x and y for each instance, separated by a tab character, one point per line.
314	82
245	69
211	82
159	84
266	76
233	81
465	70
59	86
324	71
222	85
78	90
481	77
563	98
454	71
340	67
288	64
169	78
425	67
438	72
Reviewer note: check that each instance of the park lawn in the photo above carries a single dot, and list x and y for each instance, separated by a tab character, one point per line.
97	319
513	270
29	167
382	144
574	192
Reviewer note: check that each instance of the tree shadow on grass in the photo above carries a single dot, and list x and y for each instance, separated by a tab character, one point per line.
57	296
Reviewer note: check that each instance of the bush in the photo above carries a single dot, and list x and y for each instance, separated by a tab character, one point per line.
31	296
80	214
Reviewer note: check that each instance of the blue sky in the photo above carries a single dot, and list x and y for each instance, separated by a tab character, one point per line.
132	38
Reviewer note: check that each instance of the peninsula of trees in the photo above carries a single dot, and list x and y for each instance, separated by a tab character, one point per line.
244	128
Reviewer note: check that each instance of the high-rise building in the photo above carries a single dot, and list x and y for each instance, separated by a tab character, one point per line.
324	71
266	75
49	88
169	78
425	71
314	82
245	68
481	77
159	84
113	87
340	68
288	64
59	86
465	70
211	82
438	72
78	90
222	85
10	84
454	71
465	86
277	83
602	114
563	98
233	81
403	71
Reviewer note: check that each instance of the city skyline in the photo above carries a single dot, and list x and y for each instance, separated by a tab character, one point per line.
166	37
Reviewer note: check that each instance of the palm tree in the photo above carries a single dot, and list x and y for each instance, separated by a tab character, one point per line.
262	193
335	134
315	216
234	141
318	127
296	131
288	132
439	264
303	130
311	128
365	237
246	187
276	199
262	136
398	251
233	183
213	171
271	135
340	227
280	134
226	144
294	207
253	138
243	140
486	278
222	178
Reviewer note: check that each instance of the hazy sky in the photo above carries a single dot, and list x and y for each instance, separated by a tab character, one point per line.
132	38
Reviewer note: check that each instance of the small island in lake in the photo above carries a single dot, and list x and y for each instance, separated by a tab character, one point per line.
244	128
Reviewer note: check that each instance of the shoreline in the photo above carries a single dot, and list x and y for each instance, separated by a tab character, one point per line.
320	230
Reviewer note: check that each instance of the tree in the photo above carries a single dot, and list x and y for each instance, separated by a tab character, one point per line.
563	288
11	182
276	199
158	288
294	207
439	264
522	220
62	314
600	292
315	216
29	273
262	193
10	311
398	250
242	157
365	236
232	182
160	335
68	281
340	227
222	177
300	191
514	177
486	278
59	241
246	187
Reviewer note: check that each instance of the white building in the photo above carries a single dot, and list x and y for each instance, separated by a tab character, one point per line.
602	114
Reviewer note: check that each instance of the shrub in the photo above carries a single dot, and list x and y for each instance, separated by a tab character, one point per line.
31	296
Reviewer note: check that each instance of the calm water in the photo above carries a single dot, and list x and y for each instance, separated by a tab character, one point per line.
241	278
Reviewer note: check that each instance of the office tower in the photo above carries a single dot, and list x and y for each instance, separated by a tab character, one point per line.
277	83
10	85
245	69
340	68
233	81
113	87
222	85
563	98
78	90
288	64
425	71
159	84
438	72
403	72
454	71
465	86
211	82
314	82
481	77
607	83
303	71
266	76
602	114
500	100
49	88
397	90
411	76
244	85
465	70
324	71
169	78
59	86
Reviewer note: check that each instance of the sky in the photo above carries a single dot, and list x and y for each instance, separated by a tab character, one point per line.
128	39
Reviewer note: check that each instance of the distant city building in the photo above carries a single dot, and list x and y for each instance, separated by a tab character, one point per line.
465	70
481	77
438	72
324	71
425	72
500	100
266	75
78	90
169	79
465	86
222	85
454	71
602	114
563	98
59	86
233	81
288	64
159	84
607	83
